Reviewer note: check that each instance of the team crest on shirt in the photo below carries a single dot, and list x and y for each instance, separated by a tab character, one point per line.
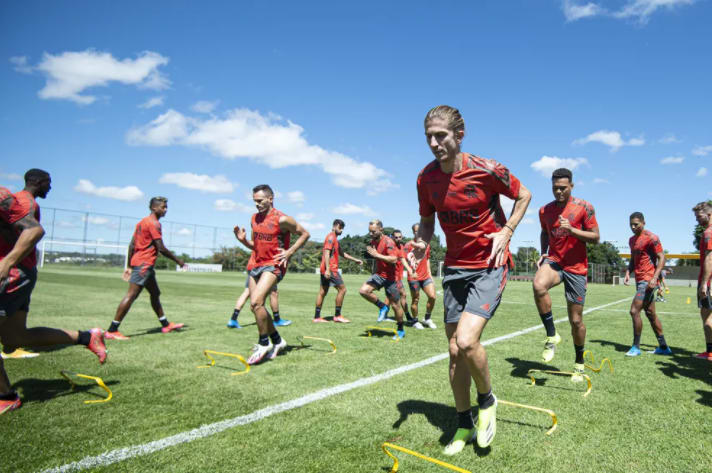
270	225
471	191
572	216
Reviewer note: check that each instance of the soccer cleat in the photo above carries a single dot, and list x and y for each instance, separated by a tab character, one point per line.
282	323
577	377
487	425
383	313
277	348
259	352
429	323
233	324
399	335
660	351
550	347
705	355
7	406
634	351
462	437
96	344
19	353
319	320
171	327
418	325
341	319
115	336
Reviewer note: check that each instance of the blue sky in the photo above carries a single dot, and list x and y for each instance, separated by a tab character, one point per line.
199	102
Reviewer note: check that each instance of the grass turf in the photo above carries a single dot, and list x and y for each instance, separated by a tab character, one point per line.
652	414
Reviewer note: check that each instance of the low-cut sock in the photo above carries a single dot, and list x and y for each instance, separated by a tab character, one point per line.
636	340
264	340
548	321
485	400
274	336
709	347
427	316
275	316
337	311
379	304
400	326
164	321
317	313
661	341
10	396
465	420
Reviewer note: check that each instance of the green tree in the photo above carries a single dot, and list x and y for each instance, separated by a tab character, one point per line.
604	253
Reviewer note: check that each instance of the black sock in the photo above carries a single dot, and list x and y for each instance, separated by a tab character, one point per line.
10	396
84	337
709	347
337	311
661	341
235	314
274	336
264	340
114	327
636	340
276	316
380	304
579	353
164	321
548	321
317	312
464	420
407	315
427	316
485	400
400	325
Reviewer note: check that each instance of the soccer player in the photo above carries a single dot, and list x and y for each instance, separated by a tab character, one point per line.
271	231
329	270
421	278
463	190
273	302
146	243
662	285
567	224
20	231
646	260
703	214
384	251
402	264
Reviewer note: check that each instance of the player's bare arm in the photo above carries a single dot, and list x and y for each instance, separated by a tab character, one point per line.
653	283
500	239
407	267
325	257
30	232
544	245
241	235
706	274
289	224
167	253
628	271
587	236
349	257
376	255
426	230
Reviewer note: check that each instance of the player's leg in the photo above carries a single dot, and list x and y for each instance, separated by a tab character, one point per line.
367	291
414	287
656	325
239	303
269	338
404	304
154	291
705	305
429	290
635	307
546	277
323	290
394	295
139	275
274	304
460	383
9	400
338	282
575	286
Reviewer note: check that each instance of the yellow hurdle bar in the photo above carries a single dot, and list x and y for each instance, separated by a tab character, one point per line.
333	345
554	420
232	355
373	328
569	373
66	375
387	445
603	361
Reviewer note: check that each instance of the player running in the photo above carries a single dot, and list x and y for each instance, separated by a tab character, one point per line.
646	260
330	275
271	231
20	231
703	214
146	243
421	278
384	251
464	191
402	264
240	302
662	285
567	224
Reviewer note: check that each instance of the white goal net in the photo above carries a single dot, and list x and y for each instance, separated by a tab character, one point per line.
83	253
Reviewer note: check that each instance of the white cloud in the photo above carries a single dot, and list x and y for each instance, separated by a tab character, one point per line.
21	65
312	226
95	220
305	217
296	197
669	139
548	164
201	182
672	160
573	11
639	10
598	180
185	231
609	138
203	106
10	176
351	209
153	102
266	139
70	73
702	172
127	194
702	150
227	205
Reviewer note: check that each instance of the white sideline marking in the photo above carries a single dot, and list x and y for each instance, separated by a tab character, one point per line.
208	430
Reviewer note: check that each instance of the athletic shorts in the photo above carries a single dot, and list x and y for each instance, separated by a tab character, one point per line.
574	284
702	302
16	290
476	291
643	293
255	273
399	284
141	274
391	287
334	281
247	283
417	285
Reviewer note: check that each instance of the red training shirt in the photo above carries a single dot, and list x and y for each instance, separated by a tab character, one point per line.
705	246
387	247
331	243
24	205
7	236
643	251
565	249
145	252
418	261
267	239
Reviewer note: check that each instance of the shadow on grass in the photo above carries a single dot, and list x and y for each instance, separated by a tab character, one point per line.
40	390
378	333
522	367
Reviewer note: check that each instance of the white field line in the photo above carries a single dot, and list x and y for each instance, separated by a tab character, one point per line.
208	430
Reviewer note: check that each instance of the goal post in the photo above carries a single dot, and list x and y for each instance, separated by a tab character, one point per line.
84	253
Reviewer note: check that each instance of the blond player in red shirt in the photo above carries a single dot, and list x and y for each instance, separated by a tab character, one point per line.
703	214
647	260
401	265
464	191
420	278
146	243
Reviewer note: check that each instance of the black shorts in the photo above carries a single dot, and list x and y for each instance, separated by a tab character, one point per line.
704	302
391	287
255	273
642	293
141	274
247	283
475	291
418	285
574	284
16	290
334	281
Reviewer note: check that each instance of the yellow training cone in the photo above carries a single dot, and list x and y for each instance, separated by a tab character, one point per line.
232	355
394	469
688	301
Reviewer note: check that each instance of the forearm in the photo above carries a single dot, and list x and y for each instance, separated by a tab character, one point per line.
169	254
24	245
325	258
521	203
387	259
351	258
303	237
544	242
248	243
659	267
426	229
585	236
707	267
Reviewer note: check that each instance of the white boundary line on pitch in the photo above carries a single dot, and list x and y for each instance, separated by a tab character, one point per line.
208	430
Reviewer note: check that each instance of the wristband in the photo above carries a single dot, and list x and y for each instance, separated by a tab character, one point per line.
510	228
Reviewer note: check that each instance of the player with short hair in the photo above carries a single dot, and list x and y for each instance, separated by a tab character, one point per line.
646	261
240	302
146	243
20	231
384	251
271	230
330	275
703	214
402	264
464	191
662	285
421	278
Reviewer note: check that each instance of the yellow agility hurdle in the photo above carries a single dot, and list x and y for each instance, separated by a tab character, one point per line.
373	328
554	420
569	373
232	355
66	375
603	361
301	338
394	469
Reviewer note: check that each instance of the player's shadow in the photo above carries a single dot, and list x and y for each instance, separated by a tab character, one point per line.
619	347
522	367
40	390
705	397
155	330
378	333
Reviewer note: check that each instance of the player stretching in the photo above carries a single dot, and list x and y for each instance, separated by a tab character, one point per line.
273	302
402	264
567	224
419	260
146	243
646	260
330	272
384	251
703	214
20	231
271	231
464	191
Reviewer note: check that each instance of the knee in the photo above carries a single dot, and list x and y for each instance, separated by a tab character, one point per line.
364	291
650	314
342	291
256	305
467	344
577	324
634	313
539	288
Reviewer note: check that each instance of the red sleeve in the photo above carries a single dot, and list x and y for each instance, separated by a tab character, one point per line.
655	244
541	218
21	208
155	231
6	202
706	241
503	181
329	242
589	220
391	249
427	208
427	252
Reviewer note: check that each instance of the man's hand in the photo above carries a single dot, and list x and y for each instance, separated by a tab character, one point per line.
541	259
359	262
500	240
703	291
626	279
4	272
327	273
180	262
282	257
240	233
652	284
126	276
565	224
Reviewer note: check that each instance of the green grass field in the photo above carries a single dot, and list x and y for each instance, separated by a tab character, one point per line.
652	414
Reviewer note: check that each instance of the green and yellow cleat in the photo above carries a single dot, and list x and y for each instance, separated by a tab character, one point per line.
457	444
577	377
550	347
487	425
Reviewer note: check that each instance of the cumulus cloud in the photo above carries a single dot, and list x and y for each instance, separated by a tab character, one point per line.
227	205
598	180
669	139
70	73
126	194
203	106
200	182
609	138
266	139
547	164
574	11
313	226
305	216
672	160
637	10
153	102
296	197
20	64
702	172
702	150
352	209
